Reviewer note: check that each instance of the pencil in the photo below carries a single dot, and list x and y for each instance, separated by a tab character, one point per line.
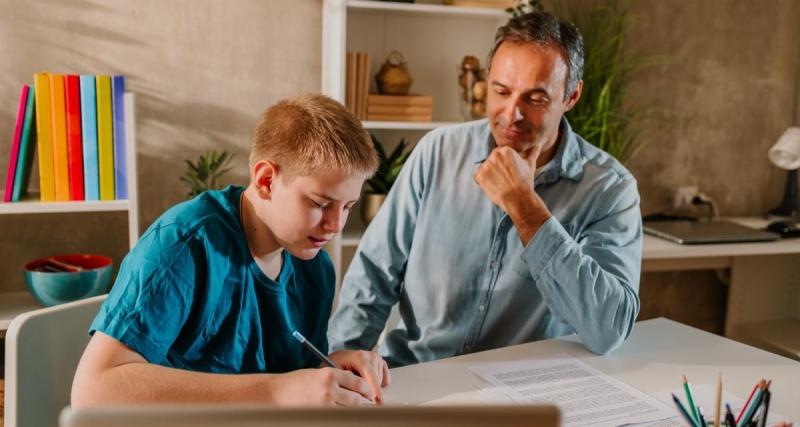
762	422
690	398
701	417
322	358
718	403
683	412
729	420
754	404
739	418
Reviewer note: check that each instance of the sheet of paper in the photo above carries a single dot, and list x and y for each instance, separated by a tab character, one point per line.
584	395
705	396
486	396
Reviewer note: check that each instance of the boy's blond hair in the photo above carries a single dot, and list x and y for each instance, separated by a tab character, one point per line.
310	133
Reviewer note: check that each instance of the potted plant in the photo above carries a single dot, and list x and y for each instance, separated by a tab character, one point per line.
379	185
204	174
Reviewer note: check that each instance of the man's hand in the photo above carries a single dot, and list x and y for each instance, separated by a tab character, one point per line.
324	387
369	365
506	177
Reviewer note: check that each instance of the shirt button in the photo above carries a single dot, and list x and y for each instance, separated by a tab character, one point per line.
481	307
492	265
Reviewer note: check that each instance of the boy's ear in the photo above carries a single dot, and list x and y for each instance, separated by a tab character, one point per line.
264	174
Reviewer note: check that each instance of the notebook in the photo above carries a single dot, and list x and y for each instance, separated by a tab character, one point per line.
704	232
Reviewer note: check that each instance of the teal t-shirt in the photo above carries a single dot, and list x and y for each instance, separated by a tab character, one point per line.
189	295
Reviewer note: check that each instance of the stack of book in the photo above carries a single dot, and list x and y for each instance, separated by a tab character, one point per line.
406	108
80	134
357	83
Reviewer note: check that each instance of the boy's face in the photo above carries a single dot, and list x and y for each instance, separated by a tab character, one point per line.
305	212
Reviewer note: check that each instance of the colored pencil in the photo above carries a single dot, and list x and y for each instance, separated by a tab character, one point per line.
683	412
718	402
741	413
753	406
690	398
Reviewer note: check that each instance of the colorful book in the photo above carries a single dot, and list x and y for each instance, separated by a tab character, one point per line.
59	117
44	133
118	111
26	148
91	178
12	160
74	142
105	138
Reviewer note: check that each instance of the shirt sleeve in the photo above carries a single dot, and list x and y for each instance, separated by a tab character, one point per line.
373	281
592	281
151	298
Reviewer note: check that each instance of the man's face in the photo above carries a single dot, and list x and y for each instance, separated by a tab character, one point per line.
307	211
526	96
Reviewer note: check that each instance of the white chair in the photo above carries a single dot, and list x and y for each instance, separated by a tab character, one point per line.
43	348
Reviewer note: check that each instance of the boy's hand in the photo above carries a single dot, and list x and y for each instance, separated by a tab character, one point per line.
369	365
324	386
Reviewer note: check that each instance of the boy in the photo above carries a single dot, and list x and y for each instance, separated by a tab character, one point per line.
217	285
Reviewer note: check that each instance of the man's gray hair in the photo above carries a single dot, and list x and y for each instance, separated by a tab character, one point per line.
544	29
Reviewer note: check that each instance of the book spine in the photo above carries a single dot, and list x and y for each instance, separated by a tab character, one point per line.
398	109
91	178
27	143
407	101
44	134
60	162
105	138
365	85
120	165
350	90
12	160
400	117
74	140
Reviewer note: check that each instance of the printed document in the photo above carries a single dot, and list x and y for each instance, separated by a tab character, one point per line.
584	395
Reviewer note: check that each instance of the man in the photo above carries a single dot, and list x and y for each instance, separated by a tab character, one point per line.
502	231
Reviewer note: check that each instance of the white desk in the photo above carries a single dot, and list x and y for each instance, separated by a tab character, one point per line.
763	306
658	352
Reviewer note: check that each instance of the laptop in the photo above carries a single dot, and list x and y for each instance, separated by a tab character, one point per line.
260	416
704	232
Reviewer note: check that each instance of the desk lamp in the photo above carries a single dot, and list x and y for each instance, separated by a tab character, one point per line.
785	154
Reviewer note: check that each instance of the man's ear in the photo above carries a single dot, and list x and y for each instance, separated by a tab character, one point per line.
264	174
574	96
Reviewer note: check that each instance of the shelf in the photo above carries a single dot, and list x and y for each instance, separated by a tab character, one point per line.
33	205
406	125
430	9
780	336
13	304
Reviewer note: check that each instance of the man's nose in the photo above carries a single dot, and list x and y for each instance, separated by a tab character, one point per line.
512	113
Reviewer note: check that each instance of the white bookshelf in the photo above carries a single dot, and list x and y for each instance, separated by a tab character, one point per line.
14	303
433	39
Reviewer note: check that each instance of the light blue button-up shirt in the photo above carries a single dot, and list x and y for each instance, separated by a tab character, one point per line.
463	280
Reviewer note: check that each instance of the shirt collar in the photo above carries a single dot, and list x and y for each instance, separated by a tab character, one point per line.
566	163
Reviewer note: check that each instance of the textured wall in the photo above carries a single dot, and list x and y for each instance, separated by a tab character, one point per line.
202	72
731	85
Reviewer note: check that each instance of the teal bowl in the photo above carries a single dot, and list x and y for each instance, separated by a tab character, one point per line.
57	287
